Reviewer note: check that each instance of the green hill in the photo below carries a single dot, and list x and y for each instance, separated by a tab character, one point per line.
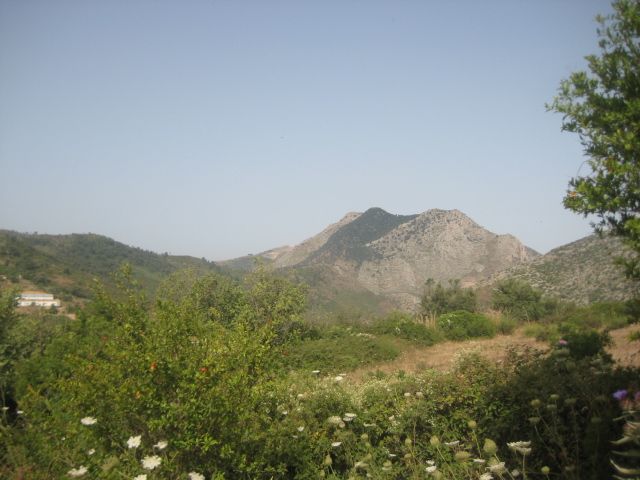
66	265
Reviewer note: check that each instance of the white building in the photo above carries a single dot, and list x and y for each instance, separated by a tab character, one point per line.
37	299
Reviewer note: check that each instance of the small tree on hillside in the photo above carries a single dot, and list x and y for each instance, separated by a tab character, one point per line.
438	299
603	107
521	300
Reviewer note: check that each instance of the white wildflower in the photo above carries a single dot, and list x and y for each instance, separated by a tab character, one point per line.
91	452
479	460
19	412
431	469
498	468
486	476
523	448
407	394
350	415
161	445
419	394
77	472
151	462
315	372
334	420
430	462
336	444
342	374
196	476
360	464
4	409
301	428
134	442
88	421
285	412
142	476
392	455
515	473
339	378
452	444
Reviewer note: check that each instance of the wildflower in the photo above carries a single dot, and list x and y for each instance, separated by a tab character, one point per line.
431	469
91	452
196	476
392	455
620	394
486	476
562	342
4	409
515	473
407	394
497	468
430	462
151	462
134	442
142	476
520	447
350	415
300	428
77	472
328	461
479	461
300	396
339	378
419	394
19	412
315	372
462	456
545	470
88	421
161	445
285	412
452	444
336	444
361	465
490	446
435	441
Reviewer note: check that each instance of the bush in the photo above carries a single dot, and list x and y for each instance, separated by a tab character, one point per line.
521	300
403	325
438	299
462	325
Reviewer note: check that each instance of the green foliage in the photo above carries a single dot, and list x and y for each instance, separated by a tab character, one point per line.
521	301
403	325
603	107
340	353
462	325
438	299
582	344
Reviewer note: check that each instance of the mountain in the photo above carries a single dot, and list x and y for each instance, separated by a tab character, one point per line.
391	256
582	271
67	264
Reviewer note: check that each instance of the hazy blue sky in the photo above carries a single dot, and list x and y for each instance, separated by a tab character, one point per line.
220	128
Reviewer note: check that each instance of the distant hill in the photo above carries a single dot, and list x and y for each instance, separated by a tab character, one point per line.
582	271
389	257
67	264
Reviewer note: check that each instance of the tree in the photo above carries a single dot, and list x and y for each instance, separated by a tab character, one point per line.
603	107
438	299
521	300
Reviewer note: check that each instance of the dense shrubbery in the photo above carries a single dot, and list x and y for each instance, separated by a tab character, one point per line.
224	374
462	325
521	301
438	299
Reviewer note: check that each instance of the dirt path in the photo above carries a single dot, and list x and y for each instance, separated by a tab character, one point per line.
442	356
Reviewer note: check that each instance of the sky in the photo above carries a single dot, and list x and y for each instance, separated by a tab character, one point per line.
221	128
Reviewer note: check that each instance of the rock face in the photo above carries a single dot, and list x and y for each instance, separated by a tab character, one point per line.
393	255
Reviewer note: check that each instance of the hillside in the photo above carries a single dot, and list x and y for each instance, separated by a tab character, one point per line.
389	257
67	264
582	271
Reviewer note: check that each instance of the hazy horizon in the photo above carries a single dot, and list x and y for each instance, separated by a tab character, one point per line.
218	129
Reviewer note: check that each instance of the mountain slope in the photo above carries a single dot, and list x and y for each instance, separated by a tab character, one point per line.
582	271
389	257
67	264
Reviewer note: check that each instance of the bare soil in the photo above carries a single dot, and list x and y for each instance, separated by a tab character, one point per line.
442	356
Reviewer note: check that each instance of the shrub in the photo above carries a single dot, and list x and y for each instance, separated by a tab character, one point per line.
521	300
461	325
438	299
403	325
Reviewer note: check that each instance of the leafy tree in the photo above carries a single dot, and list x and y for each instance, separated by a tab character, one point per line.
438	299
521	300
603	107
